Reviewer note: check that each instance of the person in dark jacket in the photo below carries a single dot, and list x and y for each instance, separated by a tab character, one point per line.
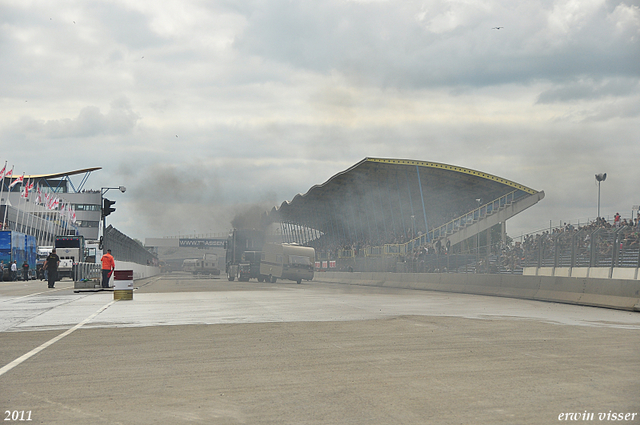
51	265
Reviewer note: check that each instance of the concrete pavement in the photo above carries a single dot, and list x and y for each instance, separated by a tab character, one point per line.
209	351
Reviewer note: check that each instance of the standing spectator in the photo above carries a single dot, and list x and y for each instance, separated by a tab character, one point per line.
14	270
1	271
51	267
25	270
108	265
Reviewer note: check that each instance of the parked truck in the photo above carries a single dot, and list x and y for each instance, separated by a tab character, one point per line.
71	250
18	247
287	261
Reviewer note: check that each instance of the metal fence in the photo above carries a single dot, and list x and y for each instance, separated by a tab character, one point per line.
123	248
86	271
604	247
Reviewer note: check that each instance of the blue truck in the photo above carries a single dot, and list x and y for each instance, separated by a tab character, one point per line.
18	247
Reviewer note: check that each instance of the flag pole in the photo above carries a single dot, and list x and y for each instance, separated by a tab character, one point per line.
6	207
2	174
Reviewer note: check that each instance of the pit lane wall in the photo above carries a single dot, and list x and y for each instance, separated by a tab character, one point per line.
140	271
621	294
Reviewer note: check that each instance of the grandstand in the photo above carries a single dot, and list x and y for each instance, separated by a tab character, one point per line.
392	207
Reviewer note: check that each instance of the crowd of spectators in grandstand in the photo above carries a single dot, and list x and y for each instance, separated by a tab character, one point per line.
623	234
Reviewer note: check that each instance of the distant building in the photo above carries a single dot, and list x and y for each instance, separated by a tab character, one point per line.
60	207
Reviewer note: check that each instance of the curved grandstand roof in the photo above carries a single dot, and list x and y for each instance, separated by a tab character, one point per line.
50	179
379	198
63	174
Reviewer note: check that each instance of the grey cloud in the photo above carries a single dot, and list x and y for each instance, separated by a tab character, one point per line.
590	90
387	43
128	27
120	120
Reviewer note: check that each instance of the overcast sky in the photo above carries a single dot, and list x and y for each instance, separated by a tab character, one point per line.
202	108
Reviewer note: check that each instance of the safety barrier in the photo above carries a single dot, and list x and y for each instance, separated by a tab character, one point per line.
623	273
619	294
86	275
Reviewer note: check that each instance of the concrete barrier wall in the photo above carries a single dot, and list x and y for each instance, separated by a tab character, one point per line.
591	272
622	294
140	271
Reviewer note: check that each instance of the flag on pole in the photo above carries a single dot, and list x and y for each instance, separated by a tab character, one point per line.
38	195
3	170
16	181
27	188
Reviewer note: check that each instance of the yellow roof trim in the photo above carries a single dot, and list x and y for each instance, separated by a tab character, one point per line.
453	168
54	175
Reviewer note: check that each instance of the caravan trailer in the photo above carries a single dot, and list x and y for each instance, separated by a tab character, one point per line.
287	261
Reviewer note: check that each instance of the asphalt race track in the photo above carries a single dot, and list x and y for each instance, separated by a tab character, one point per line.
208	351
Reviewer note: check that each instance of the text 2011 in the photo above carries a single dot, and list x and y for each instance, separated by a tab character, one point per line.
17	415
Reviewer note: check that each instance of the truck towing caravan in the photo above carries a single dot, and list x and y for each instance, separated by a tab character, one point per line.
206	265
287	261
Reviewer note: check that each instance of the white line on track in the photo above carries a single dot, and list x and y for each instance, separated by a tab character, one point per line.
52	341
37	293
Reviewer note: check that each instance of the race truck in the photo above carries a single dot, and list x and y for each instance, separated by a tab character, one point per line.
238	265
249	267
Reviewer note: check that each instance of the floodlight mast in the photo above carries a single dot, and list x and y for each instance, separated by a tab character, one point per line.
600	178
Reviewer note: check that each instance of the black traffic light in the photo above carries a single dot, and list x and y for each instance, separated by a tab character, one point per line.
106	207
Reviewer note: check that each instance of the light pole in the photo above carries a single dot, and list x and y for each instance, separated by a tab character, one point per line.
102	212
479	201
600	178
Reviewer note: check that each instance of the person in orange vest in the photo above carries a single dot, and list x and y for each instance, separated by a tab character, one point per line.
108	265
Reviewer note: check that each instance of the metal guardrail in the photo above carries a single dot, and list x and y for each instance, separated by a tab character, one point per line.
86	271
465	220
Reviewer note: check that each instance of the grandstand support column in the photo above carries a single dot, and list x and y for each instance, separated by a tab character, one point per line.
404	227
349	236
503	232
488	248
413	216
290	232
424	211
381	204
